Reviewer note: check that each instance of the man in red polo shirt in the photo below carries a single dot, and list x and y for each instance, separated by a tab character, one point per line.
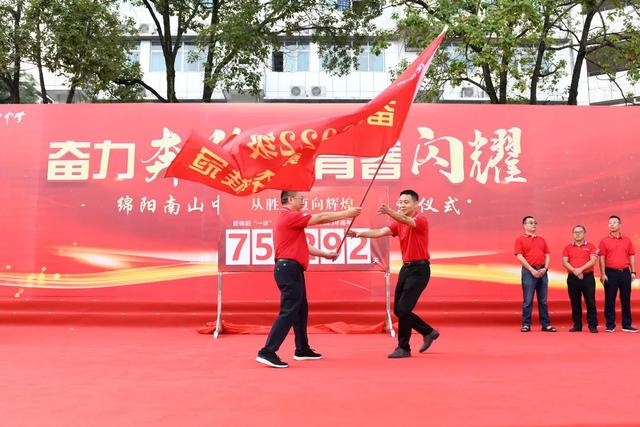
579	258
618	269
292	259
413	231
533	253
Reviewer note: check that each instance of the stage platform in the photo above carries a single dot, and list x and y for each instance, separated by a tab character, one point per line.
63	375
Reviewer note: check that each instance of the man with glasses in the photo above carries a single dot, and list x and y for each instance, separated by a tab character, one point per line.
292	259
578	258
618	269
413	231
533	253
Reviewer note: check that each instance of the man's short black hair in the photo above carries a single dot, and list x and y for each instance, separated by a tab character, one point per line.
411	193
284	196
616	217
581	226
526	218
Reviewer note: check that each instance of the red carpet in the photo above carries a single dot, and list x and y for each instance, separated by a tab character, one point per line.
489	376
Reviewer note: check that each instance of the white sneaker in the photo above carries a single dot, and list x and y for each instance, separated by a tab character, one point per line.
610	330
630	329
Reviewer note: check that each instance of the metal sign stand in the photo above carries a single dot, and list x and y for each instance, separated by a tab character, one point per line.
387	295
218	329
389	324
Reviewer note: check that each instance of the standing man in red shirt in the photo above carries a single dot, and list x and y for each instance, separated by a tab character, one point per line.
413	231
292	259
533	253
579	258
618	269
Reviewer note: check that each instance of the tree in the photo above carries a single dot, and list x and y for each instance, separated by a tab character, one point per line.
12	45
27	88
188	16
608	38
235	37
509	48
85	41
240	34
90	44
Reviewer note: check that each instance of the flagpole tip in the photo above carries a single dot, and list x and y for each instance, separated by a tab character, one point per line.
444	30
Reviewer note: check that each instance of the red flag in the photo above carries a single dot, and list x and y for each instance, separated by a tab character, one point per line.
282	156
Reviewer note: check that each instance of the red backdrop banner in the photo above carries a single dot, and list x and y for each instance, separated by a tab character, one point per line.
86	212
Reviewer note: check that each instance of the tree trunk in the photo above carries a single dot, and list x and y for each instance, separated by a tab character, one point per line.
14	87
43	88
503	75
582	53
542	47
488	83
72	92
207	91
168	53
171	81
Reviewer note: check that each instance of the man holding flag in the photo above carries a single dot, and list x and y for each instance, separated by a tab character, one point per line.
413	231
292	259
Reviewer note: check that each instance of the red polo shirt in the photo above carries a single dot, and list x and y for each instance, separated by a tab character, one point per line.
616	251
580	255
532	248
289	238
414	242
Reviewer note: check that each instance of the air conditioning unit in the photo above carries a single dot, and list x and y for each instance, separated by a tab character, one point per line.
144	29
468	92
297	91
318	91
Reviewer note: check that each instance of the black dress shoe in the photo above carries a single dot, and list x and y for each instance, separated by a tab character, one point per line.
593	330
428	340
575	329
399	353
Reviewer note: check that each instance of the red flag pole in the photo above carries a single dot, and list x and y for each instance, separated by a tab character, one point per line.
363	199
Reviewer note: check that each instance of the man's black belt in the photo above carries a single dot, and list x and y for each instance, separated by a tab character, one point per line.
418	262
619	270
537	267
288	260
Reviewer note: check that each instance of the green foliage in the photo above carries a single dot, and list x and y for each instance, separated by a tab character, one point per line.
241	34
28	91
511	49
89	45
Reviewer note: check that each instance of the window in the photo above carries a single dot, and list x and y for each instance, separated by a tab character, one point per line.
134	53
277	63
367	61
194	59
293	57
157	58
344	4
188	58
358	5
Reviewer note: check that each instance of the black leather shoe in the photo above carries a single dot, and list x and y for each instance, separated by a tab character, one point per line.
399	353
593	330
575	329
428	340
